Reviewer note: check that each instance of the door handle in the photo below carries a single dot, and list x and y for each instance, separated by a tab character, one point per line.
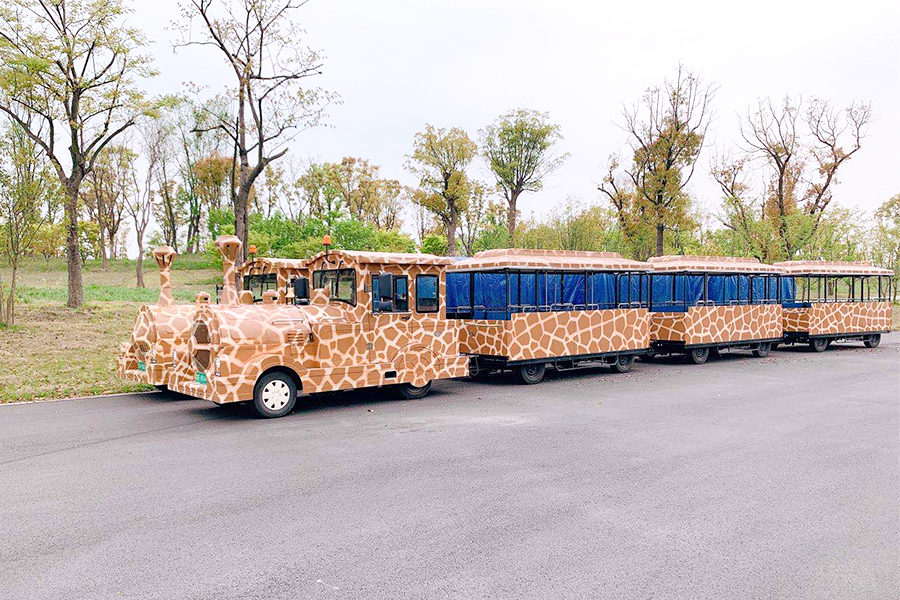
405	317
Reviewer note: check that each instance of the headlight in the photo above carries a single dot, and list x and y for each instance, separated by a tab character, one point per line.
218	363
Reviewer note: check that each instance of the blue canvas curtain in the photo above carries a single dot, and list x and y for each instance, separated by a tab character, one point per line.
603	290
788	289
716	289
458	296
573	290
662	290
490	296
527	287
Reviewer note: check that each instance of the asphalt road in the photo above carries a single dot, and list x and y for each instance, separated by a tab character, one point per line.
742	478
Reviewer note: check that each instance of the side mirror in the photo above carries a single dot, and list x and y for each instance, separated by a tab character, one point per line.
386	287
301	290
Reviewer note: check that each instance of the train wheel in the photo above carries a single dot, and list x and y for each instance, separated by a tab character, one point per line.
623	363
274	395
818	344
698	356
532	373
412	392
763	351
872	341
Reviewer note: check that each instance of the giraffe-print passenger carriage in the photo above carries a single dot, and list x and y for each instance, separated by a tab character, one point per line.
829	301
704	304
371	319
525	310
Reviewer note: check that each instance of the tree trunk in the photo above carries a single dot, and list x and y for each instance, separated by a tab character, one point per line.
104	264
511	219
451	232
73	255
660	231
10	317
240	215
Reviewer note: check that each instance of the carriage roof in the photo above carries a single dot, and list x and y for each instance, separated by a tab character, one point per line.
698	263
831	267
518	258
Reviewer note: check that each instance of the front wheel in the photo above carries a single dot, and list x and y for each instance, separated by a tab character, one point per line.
763	350
818	344
532	373
872	341
623	363
275	395
414	392
698	356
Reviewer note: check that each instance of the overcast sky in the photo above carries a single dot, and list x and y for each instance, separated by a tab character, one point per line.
400	64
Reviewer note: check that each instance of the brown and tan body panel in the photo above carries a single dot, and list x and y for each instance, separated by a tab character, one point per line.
835	318
701	325
536	335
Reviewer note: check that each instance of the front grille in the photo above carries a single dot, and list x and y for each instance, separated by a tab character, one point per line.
201	360
140	350
201	332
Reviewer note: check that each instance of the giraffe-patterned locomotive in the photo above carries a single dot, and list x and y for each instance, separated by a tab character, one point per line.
371	319
708	303
826	301
160	332
525	310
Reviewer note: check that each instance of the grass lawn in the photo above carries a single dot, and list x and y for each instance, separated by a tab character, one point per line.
54	352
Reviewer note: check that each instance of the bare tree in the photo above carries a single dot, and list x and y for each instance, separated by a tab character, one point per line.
667	130
139	202
800	153
261	44
71	66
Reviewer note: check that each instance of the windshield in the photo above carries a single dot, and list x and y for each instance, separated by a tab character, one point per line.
341	283
257	284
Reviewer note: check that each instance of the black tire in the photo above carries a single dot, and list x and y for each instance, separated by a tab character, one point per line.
698	356
274	395
532	373
412	392
623	363
763	351
872	341
818	344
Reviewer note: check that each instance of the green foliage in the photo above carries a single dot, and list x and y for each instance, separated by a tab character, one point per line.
434	244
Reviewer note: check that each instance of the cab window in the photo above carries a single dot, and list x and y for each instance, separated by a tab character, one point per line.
257	284
395	300
341	283
426	293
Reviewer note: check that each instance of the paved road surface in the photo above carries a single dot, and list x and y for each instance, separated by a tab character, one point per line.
743	478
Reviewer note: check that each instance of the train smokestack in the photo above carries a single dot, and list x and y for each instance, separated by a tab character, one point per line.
229	248
165	256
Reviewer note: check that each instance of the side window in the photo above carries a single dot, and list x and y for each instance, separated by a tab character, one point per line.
396	300
426	293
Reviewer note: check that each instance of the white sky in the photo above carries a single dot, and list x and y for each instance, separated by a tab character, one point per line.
399	64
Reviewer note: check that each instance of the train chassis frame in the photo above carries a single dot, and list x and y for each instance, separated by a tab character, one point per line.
481	365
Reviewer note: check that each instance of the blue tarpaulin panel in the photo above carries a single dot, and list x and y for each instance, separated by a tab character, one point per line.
527	285
513	291
716	289
788	288
490	296
573	290
458	299
603	290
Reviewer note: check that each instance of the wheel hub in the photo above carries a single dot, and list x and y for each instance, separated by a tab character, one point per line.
276	395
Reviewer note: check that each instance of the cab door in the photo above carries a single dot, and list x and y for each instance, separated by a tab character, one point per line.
390	318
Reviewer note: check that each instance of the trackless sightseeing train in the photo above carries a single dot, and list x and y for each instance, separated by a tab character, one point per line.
344	320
